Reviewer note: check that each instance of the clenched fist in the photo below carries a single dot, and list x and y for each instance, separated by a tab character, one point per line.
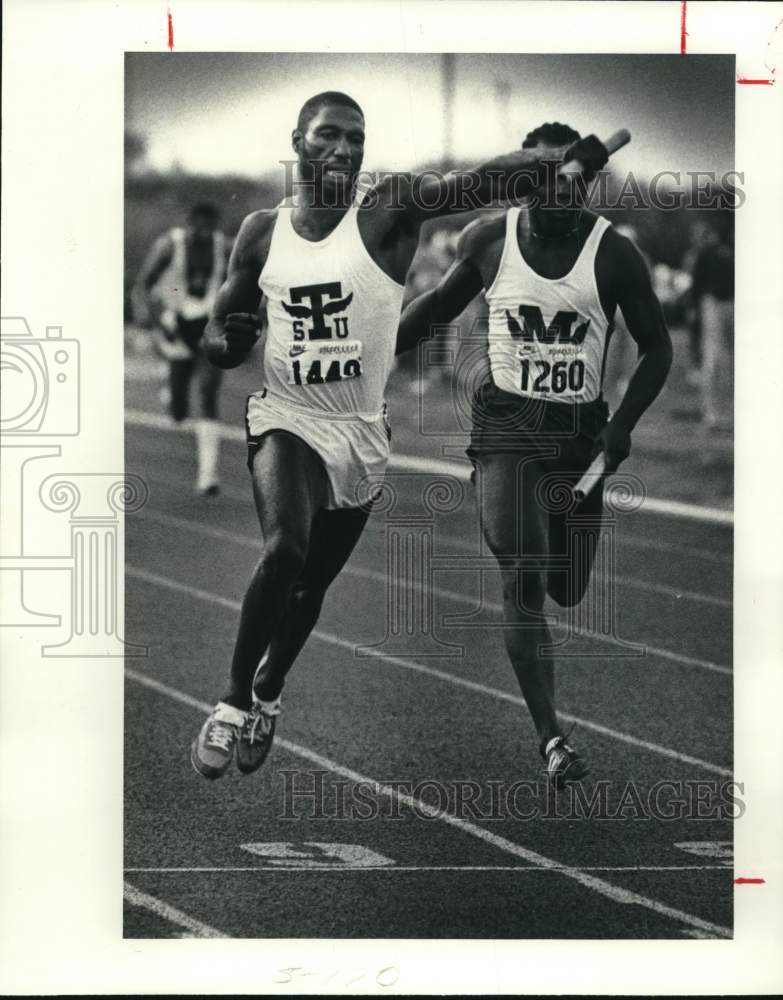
591	153
615	442
241	330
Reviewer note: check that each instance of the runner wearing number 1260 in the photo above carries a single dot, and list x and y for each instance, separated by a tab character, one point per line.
331	265
554	276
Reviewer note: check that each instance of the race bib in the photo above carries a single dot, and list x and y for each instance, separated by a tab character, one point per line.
313	363
561	372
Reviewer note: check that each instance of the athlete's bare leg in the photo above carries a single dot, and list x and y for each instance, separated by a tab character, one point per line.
207	428
515	527
180	375
289	486
567	537
332	540
210	379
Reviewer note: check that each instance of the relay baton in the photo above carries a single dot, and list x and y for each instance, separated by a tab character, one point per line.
589	480
615	141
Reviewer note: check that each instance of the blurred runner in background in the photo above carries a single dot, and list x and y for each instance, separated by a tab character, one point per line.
173	294
692	317
713	297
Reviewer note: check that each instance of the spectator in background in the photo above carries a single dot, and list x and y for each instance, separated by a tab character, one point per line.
173	295
713	298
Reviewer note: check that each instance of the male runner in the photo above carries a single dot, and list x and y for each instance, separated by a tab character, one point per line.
331	265
554	275
174	291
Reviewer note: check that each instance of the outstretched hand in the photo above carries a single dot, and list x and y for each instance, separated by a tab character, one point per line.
591	153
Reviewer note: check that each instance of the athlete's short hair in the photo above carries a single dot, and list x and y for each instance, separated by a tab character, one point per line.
204	210
551	134
311	107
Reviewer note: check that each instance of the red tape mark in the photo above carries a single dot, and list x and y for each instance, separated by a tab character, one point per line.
749	881
770	80
683	32
171	31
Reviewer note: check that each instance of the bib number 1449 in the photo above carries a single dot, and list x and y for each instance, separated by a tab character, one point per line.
313	374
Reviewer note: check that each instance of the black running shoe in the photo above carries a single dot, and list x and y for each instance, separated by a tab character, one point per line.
563	763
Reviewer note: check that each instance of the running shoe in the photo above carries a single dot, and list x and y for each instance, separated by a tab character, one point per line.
563	763
258	732
213	749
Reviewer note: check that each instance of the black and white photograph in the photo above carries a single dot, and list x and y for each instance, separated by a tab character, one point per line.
390	579
431	386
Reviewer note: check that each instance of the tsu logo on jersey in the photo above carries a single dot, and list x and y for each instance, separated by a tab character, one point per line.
324	300
559	330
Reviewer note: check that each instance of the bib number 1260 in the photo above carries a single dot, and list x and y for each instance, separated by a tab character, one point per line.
314	375
562	376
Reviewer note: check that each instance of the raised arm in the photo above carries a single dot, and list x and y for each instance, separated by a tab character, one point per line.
443	303
155	263
509	177
644	318
234	324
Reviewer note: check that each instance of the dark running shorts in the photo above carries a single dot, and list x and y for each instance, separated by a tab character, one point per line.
561	433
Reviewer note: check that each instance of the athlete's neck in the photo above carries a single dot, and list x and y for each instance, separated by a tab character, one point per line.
544	227
316	212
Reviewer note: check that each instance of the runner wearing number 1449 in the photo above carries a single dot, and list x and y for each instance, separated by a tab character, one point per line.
554	275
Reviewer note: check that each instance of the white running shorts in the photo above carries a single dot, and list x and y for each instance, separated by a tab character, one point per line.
354	451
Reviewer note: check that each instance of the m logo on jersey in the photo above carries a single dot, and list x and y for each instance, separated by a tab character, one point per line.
325	300
559	331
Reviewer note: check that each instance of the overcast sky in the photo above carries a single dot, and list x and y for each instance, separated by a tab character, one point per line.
222	112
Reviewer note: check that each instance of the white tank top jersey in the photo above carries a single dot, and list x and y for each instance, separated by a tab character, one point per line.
332	317
547	336
176	293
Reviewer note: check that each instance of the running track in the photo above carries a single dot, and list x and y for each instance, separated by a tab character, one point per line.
414	869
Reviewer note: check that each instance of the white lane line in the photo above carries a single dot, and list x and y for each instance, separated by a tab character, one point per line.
633	583
527	869
461	470
650	505
223	602
625	540
628	539
170	913
612	892
251	541
627	581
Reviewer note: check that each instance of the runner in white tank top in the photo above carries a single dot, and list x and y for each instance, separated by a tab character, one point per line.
332	318
554	276
331	268
176	288
547	337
